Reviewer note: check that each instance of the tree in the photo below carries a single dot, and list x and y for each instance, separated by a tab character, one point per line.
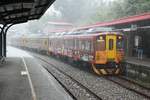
119	9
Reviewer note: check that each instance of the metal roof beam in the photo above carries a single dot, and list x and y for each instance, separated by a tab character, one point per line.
8	13
17	20
12	11
22	18
9	2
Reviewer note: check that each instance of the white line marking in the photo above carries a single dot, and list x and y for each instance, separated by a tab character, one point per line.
29	78
23	73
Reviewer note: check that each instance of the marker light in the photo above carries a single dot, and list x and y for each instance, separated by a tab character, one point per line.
119	37
101	37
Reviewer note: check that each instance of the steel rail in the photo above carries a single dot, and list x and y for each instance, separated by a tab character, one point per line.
121	83
75	81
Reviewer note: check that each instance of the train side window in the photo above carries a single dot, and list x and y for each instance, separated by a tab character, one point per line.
111	44
92	48
76	44
80	44
84	45
71	44
88	45
49	43
64	43
68	44
45	42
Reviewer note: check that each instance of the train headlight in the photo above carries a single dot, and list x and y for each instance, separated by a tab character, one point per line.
101	38
119	37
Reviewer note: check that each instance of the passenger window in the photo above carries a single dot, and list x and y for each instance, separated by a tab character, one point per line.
80	45
46	42
111	44
83	45
76	44
87	45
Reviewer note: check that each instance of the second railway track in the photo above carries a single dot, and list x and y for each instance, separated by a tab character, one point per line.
130	85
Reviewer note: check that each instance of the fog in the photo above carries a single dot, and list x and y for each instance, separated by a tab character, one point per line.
82	12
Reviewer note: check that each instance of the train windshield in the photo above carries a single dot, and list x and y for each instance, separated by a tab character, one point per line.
119	42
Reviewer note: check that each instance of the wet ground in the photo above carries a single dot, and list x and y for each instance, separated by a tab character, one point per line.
23	78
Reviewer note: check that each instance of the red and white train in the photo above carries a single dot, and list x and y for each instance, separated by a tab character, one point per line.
102	49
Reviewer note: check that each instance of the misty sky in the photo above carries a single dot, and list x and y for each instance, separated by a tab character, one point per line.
77	12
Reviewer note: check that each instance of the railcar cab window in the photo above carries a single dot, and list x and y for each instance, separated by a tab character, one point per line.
119	42
100	43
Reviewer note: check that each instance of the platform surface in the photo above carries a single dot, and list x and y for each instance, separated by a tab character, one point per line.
134	60
14	80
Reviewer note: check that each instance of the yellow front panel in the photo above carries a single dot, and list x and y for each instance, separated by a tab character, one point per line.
111	46
100	57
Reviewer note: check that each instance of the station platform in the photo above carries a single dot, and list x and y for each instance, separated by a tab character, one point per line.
138	70
23	78
145	62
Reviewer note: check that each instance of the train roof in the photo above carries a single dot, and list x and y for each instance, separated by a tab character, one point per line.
33	36
93	34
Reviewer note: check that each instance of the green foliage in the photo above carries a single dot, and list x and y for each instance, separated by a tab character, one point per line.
82	12
120	8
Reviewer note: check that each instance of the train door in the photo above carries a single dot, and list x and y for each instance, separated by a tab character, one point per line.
111	47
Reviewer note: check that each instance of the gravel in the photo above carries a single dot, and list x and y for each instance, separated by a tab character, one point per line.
76	90
104	88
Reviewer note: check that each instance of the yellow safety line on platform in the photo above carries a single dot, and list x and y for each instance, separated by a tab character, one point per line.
29	78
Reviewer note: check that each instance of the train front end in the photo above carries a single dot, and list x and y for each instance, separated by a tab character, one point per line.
109	53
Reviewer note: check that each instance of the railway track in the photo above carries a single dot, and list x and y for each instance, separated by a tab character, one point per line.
76	90
128	84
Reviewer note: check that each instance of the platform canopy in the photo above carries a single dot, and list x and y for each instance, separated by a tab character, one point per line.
19	11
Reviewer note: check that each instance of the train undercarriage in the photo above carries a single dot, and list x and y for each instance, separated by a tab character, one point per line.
107	70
